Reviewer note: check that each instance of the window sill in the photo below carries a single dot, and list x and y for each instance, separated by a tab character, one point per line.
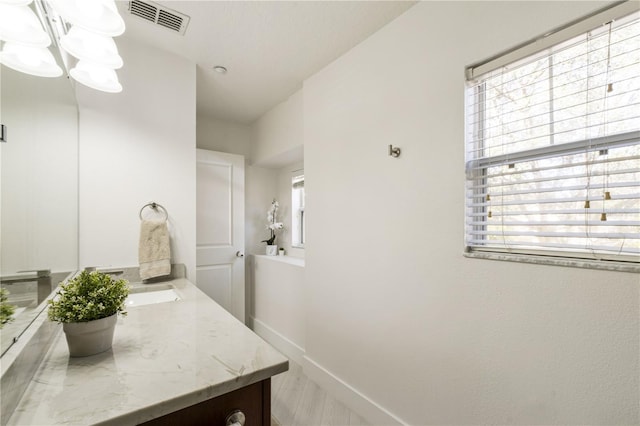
558	261
295	261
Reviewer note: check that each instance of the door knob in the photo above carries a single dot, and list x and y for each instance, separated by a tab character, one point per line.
239	254
235	419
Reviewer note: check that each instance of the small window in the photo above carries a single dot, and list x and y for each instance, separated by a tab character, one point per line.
297	209
553	148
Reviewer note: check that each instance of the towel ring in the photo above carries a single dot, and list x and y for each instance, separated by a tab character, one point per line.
154	206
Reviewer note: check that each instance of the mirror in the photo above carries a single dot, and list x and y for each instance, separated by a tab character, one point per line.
39	192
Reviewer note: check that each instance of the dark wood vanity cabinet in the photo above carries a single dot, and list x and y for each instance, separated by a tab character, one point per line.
254	401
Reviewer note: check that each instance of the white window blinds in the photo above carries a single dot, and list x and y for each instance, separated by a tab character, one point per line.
553	148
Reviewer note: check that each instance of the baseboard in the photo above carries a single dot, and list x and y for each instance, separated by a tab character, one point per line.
351	397
280	342
342	391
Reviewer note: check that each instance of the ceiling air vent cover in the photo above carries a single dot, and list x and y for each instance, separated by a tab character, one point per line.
159	15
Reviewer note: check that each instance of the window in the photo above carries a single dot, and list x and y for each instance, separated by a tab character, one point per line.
297	208
553	144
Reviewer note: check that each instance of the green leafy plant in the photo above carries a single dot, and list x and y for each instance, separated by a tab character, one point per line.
6	310
87	297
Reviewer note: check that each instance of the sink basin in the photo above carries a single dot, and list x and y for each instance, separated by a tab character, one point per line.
141	296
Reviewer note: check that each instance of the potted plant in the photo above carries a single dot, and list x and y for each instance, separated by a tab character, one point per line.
6	309
88	306
272	226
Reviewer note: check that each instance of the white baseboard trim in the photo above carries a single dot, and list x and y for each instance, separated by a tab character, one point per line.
351	397
342	391
283	344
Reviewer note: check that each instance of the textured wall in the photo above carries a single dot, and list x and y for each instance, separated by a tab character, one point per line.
223	136
278	135
394	309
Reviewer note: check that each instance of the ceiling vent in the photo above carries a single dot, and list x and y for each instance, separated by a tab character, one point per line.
159	15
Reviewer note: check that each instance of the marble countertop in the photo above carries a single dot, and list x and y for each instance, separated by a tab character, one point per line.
165	357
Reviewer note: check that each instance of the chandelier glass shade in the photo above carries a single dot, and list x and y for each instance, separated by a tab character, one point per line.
38	61
96	77
83	29
98	16
19	24
89	46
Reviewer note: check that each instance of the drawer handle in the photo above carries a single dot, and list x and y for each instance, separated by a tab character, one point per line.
235	419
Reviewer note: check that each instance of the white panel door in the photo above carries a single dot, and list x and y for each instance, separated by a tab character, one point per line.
220	228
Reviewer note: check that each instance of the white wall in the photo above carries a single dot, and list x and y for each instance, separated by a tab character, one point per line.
277	150
135	147
278	135
223	136
396	316
261	187
39	174
278	309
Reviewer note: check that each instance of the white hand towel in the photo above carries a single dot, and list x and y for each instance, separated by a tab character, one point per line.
154	253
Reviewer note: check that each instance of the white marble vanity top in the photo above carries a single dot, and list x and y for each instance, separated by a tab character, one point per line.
165	357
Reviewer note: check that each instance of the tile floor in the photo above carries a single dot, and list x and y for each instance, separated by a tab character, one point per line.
298	401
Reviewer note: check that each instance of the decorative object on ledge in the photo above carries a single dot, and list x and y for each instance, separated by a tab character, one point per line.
272	250
394	152
272	226
281	251
87	306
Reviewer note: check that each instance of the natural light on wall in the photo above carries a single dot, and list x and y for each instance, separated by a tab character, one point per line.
84	28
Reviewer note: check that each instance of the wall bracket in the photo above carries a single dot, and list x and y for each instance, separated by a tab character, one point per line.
394	152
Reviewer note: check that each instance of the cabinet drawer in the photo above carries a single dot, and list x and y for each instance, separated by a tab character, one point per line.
254	401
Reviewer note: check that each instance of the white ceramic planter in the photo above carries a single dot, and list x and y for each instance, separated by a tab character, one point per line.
91	337
272	250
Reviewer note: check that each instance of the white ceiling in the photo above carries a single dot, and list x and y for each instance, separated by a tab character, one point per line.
268	47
